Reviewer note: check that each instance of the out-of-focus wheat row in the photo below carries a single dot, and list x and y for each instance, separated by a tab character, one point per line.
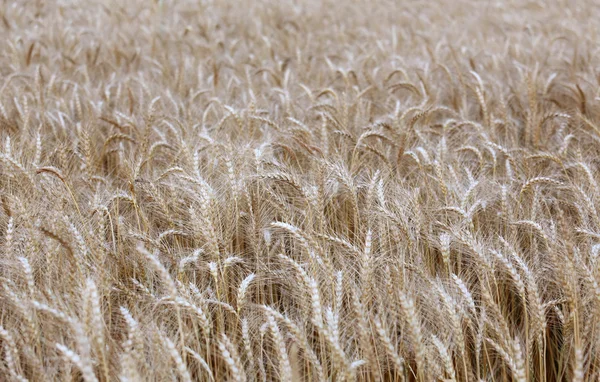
299	191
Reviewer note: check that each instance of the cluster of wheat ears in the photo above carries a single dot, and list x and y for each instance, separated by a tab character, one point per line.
299	190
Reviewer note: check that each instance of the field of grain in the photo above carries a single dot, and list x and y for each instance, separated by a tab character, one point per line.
317	190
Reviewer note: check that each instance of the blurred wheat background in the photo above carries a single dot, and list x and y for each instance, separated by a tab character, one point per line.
299	190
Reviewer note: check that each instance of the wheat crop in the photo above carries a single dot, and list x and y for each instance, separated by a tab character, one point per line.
317	190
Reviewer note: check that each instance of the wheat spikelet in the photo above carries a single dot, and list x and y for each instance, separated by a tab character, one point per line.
231	359
514	362
389	347
11	354
176	356
164	274
285	369
414	328
198	311
133	335
201	361
301	338
28	276
448	367
578	372
247	344
97	324
86	369
242	290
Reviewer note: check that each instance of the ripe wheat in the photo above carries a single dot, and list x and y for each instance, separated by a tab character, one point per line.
299	190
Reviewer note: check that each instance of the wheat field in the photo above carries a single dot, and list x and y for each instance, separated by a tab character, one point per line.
314	190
